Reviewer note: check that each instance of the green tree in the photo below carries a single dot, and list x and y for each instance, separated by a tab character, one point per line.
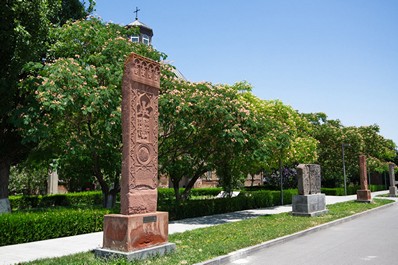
289	138
379	151
75	113
200	124
24	29
331	135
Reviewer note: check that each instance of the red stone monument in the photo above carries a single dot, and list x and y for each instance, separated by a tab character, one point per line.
139	231
363	195
393	187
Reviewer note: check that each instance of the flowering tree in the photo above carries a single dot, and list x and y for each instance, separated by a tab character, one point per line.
75	113
201	124
23	38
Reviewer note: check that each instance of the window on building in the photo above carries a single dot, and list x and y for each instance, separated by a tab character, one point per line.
145	39
135	38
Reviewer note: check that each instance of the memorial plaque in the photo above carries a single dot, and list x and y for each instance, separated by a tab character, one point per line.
149	219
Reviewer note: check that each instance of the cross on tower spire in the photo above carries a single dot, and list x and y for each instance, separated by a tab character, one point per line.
136	13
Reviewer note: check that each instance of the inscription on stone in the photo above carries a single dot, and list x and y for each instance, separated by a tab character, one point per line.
150	219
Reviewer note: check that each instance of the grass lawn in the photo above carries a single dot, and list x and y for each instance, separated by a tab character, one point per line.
206	243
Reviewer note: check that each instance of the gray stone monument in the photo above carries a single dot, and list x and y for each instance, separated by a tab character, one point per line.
310	201
52	182
393	188
5	206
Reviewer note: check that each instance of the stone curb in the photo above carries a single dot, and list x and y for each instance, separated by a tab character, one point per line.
244	252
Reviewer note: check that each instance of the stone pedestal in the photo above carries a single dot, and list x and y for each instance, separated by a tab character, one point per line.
364	196
309	205
144	253
393	191
135	236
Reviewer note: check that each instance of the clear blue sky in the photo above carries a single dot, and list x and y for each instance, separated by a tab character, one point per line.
339	57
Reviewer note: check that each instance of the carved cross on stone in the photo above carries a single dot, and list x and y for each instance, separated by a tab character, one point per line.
309	179
141	83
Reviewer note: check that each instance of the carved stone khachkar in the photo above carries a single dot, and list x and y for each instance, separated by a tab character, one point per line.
52	182
363	195
5	206
139	231
310	201
393	188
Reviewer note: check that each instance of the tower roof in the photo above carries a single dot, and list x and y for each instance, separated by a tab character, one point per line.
137	23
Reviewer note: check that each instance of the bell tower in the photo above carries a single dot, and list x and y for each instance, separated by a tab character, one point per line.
146	33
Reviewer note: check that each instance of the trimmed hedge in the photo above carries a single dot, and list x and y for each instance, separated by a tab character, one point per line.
168	193
19	228
351	190
89	198
40	224
245	200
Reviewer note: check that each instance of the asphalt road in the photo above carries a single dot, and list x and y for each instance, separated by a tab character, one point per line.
370	239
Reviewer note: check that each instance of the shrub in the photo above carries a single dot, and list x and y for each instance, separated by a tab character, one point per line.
351	190
25	227
211	192
89	198
245	200
167	194
40	224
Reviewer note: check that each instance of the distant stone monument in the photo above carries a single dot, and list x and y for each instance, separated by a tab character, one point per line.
310	201
5	206
52	182
363	195
139	231
393	188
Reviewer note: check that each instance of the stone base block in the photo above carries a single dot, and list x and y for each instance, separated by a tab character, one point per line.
138	254
127	233
364	196
393	191
309	205
5	206
139	201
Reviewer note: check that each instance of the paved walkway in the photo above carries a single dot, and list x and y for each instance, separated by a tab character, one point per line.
58	247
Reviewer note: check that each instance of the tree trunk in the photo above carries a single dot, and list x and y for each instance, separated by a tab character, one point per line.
176	187
111	197
99	176
191	183
5	165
